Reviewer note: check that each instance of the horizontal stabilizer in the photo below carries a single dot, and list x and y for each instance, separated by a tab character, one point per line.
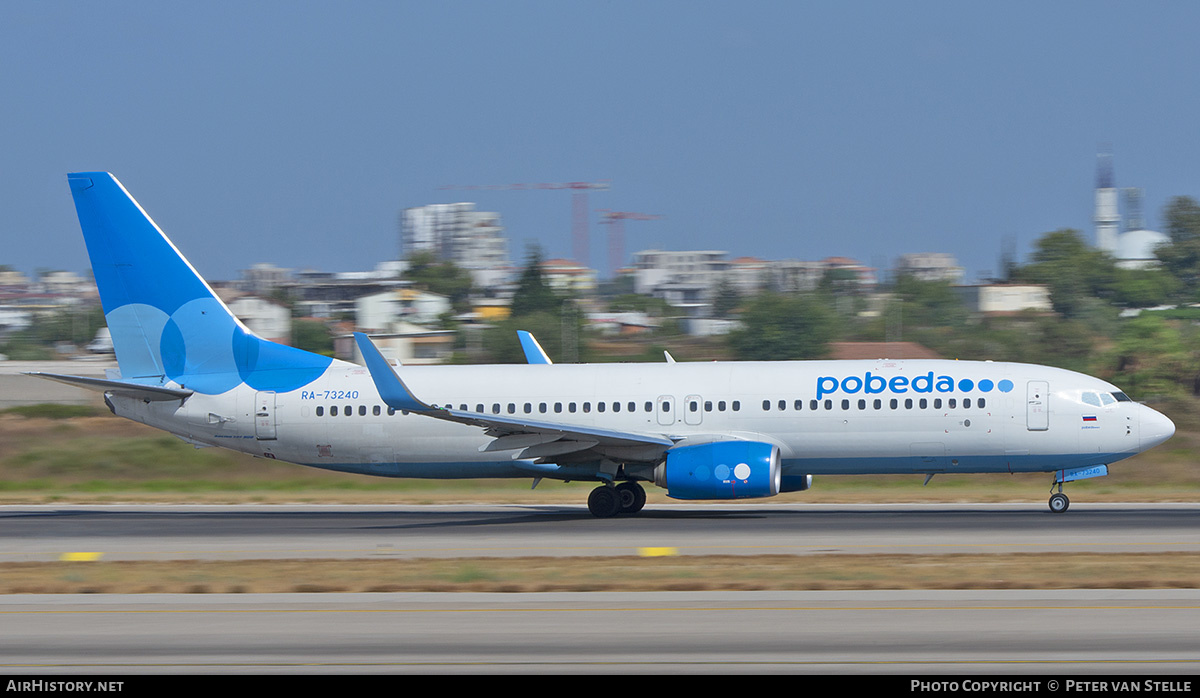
134	390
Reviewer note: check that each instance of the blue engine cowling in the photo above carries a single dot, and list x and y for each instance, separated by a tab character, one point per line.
722	470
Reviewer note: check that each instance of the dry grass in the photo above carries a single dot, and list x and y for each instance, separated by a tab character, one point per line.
629	574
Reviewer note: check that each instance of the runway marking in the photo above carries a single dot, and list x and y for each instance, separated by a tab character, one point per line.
657	552
599	551
80	557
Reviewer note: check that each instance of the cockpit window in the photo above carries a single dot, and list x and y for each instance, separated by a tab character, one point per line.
1091	399
1122	397
1107	399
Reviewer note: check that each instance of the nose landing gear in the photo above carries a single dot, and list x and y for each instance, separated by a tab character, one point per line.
1059	502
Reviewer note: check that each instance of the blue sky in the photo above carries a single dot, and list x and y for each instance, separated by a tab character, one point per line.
295	132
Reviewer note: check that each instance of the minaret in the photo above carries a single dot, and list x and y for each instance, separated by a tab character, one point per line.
1108	217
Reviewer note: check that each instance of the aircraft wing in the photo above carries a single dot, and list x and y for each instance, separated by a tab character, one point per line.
532	438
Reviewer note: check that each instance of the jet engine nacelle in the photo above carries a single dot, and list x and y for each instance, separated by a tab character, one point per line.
722	470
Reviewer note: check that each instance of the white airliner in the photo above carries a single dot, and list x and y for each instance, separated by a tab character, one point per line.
714	431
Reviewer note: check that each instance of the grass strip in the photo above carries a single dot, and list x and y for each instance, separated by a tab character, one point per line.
681	573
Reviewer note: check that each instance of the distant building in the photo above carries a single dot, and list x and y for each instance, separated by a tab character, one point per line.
1002	299
930	266
566	276
683	279
379	312
457	233
407	344
1134	248
263	317
263	279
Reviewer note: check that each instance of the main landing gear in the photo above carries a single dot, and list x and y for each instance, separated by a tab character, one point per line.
609	500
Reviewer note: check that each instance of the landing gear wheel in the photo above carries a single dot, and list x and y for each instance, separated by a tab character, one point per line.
1059	502
633	497
604	502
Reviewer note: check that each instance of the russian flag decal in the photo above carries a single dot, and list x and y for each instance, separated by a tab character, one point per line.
1089	418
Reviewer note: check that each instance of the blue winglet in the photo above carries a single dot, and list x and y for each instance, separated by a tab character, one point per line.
534	353
391	389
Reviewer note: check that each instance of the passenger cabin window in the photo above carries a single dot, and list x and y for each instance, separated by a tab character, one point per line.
320	411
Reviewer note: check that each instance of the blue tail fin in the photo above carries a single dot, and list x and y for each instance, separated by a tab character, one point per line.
166	322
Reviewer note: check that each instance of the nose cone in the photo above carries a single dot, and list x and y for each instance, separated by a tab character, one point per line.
1155	428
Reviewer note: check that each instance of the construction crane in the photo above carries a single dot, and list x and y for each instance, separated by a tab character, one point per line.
581	241
615	220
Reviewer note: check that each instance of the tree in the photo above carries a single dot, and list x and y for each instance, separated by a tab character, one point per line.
1072	269
726	299
777	327
533	295
312	335
441	277
1182	218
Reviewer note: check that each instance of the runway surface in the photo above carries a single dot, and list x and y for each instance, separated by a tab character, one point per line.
982	633
36	533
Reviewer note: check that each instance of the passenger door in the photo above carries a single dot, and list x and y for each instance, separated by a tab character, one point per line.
1037	406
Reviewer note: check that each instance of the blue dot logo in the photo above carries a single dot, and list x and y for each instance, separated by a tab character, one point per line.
986	385
966	385
1006	386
